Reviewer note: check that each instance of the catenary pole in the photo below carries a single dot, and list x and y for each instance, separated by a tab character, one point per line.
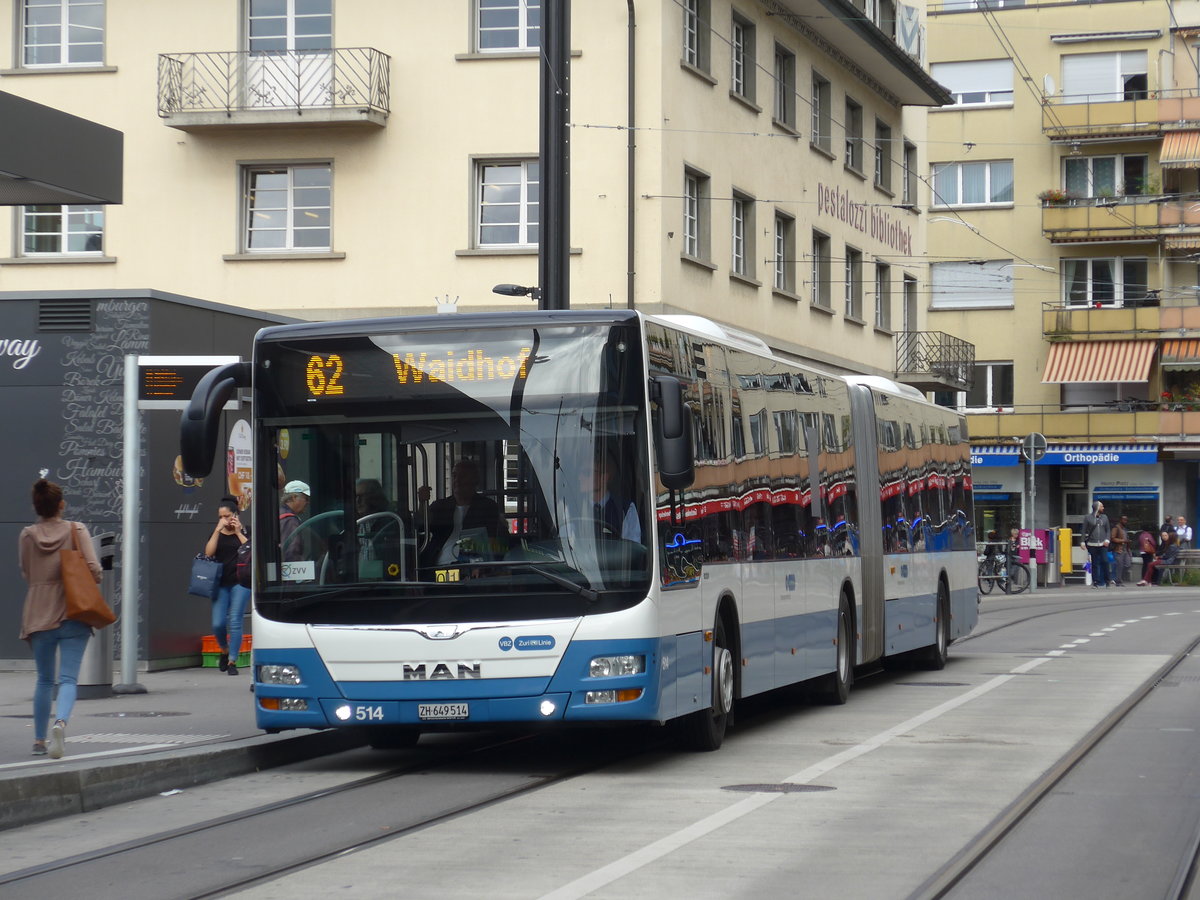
554	228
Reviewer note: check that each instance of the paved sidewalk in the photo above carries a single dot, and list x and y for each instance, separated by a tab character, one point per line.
192	726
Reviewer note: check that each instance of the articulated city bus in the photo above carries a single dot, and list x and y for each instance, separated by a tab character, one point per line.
582	517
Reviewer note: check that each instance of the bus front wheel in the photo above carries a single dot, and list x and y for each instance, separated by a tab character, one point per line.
705	730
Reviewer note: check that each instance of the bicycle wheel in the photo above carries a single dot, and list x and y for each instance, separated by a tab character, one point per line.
1018	577
986	580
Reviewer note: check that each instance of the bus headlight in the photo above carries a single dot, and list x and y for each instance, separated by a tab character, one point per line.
608	666
279	674
624	695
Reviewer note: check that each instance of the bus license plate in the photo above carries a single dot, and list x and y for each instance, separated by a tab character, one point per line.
442	711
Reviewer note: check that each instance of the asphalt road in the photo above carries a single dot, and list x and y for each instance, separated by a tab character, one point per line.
868	800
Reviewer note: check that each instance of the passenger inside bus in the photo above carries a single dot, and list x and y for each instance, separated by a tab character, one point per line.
466	526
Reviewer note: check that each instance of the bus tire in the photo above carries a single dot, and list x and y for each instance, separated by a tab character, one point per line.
704	731
834	688
392	737
935	655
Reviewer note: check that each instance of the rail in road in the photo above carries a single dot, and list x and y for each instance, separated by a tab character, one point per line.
918	769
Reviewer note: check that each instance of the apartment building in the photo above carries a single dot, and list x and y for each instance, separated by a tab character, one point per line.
1064	233
751	161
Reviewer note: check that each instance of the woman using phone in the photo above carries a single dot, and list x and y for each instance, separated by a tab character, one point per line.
229	606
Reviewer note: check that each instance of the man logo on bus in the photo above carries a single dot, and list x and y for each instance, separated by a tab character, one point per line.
442	671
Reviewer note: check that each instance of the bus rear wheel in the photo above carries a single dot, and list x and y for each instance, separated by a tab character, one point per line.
704	731
935	655
834	688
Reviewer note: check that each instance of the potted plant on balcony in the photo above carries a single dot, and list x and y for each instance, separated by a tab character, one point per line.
1055	197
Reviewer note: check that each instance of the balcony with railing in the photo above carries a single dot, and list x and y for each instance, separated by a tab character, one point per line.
343	87
1160	314
934	361
1167	218
1116	422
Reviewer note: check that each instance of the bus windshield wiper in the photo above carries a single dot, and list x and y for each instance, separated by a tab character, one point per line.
585	592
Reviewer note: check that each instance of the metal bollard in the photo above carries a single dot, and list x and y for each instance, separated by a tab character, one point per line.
96	671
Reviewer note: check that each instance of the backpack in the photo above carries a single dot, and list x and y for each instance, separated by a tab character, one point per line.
245	563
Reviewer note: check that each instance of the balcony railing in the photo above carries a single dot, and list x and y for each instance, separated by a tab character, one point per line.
934	361
1139	112
1123	320
223	89
1146	217
1130	420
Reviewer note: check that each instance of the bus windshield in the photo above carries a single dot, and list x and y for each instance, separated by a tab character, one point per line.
465	475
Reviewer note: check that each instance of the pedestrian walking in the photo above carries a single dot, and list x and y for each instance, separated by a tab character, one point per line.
57	642
1123	559
229	606
1096	538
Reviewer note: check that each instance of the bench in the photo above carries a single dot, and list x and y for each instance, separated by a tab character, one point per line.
1188	561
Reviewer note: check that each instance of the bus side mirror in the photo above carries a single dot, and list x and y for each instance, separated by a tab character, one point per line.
672	433
200	423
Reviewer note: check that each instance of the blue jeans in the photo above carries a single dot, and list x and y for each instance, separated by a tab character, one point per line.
70	640
1100	573
228	612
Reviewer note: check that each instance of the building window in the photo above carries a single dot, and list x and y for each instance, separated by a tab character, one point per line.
883	156
62	230
695	214
742	236
785	87
1104	77
977	82
910	303
854	134
696	33
992	389
288	208
508	25
820	270
910	174
279	26
972	285
62	32
883	296
854	291
1105	176
973	184
822	113
508	203
742	64
1105	282
783	254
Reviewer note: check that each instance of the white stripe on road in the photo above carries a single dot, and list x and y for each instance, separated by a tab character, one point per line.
606	875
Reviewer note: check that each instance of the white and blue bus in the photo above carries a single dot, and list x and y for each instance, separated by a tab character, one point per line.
582	517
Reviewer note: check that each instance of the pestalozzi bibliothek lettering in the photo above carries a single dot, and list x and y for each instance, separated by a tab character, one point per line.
876	222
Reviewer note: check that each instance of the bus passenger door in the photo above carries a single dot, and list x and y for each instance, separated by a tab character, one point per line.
866	443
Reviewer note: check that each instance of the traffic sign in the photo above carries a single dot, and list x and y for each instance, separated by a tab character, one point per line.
1033	447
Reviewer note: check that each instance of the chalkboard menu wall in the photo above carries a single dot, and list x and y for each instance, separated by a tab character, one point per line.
62	401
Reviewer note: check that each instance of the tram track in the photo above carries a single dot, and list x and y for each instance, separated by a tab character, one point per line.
1069	606
514	766
942	882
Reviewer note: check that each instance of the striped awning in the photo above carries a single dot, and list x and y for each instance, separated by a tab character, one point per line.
1182	241
1180	150
1092	362
1181	355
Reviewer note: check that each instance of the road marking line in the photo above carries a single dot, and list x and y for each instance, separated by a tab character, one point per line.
606	875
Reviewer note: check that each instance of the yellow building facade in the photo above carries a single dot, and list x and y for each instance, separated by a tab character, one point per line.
752	162
1063	231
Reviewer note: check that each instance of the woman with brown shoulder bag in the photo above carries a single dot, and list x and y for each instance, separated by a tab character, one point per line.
57	642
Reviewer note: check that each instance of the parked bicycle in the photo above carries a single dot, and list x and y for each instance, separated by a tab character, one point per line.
1000	567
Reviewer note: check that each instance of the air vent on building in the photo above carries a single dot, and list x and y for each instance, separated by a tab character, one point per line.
65	315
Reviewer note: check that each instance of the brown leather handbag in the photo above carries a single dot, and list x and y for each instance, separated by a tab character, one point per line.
85	603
